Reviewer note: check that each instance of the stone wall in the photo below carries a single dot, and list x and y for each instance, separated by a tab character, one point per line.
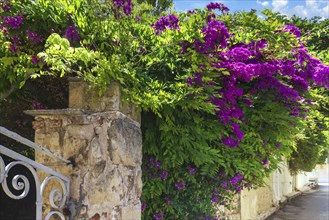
105	148
261	202
321	172
81	96
256	201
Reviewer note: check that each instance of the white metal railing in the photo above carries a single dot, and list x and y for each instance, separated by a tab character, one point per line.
30	144
57	197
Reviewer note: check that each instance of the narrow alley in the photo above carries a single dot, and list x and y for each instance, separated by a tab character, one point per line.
311	205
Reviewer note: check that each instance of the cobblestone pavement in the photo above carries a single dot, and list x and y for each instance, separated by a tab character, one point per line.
311	205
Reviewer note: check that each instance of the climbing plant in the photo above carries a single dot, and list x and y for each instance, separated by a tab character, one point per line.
223	96
314	148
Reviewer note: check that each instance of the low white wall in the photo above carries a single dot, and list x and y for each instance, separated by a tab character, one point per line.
282	183
303	178
254	204
320	174
261	202
256	201
323	172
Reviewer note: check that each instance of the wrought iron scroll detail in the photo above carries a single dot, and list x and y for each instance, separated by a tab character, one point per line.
19	182
57	197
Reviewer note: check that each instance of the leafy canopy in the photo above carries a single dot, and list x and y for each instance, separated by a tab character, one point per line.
223	96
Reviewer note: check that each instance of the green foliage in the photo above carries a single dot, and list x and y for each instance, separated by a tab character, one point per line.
313	148
186	166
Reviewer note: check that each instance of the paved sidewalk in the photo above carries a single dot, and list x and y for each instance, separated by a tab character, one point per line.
310	205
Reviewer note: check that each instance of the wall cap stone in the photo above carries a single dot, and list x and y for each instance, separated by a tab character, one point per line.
49	112
79	112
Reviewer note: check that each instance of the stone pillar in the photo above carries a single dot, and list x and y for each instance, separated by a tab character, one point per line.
102	138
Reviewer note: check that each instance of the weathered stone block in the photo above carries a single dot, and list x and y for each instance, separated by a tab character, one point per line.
125	142
131	213
80	131
82	97
74	146
106	148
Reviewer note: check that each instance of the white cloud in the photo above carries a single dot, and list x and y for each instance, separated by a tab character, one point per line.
298	10
261	16
306	8
265	4
279	4
310	3
325	10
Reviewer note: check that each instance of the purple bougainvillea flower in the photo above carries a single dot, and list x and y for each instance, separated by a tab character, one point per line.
287	68
215	34
34	59
292	29
184	46
173	22
294	112
230	142
236	129
258	44
321	76
190	12
180	185
236	179
168	201
5	7
158	215
191	170
248	102
210	17
278	145
170	22
164	175
198	78
15	43
152	160
239	53
224	184
126	6
158	165
155	163
214	200
72	34
13	47
14	22
143	207
288	93
238	188
33	37
219	6
189	81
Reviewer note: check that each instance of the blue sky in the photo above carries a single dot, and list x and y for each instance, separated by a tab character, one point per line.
302	8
